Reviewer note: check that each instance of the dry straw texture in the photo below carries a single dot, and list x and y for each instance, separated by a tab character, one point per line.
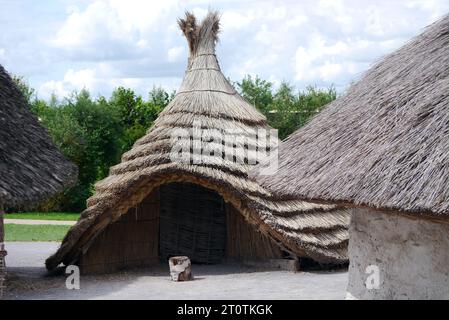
31	167
205	95
383	144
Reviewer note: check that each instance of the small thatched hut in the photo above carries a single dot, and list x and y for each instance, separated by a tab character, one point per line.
152	207
31	167
383	148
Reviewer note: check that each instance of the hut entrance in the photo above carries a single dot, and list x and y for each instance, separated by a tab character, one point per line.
178	219
192	223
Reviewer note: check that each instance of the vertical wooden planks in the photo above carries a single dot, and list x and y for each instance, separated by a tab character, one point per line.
244	242
132	241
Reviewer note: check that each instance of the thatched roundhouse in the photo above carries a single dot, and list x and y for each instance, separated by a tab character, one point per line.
151	207
383	149
31	167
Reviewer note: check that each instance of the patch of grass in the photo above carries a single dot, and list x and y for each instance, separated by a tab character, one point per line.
27	232
68	216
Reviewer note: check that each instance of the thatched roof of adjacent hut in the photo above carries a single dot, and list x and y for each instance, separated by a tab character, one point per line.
31	166
385	143
317	231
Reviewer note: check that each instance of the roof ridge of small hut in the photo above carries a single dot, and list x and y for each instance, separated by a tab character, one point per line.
206	97
385	143
31	166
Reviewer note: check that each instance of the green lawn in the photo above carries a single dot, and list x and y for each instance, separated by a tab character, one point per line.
27	232
68	216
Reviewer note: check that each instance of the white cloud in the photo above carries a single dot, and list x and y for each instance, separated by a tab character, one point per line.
199	12
231	20
329	70
102	80
266	35
52	87
321	60
94	79
436	8
338	11
74	80
297	21
112	28
374	23
80	79
66	45
175	54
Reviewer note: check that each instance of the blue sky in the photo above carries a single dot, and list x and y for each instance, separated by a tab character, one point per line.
65	45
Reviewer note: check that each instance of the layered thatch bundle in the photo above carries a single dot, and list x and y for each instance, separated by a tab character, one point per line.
207	98
385	143
31	167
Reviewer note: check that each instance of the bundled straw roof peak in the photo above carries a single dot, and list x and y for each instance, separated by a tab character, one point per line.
206	97
385	143
204	36
31	166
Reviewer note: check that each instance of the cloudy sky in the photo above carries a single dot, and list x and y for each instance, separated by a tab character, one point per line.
65	45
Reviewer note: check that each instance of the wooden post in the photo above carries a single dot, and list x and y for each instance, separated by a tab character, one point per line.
2	253
180	269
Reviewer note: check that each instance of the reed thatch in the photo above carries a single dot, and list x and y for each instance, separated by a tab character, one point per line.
317	231
385	143
31	166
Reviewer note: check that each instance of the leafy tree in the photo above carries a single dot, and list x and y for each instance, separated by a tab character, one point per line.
256	91
93	133
101	132
285	109
282	110
89	135
291	111
159	98
68	135
123	102
136	115
28	92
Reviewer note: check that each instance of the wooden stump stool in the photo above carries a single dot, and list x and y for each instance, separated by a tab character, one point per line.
180	269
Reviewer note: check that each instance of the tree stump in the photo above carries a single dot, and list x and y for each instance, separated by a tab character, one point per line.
180	269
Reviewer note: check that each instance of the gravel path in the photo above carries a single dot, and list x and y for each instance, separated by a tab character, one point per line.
28	279
30	221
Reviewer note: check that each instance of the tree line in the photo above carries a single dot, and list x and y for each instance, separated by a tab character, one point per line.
94	132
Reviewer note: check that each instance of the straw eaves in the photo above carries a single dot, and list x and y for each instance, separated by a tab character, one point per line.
206	96
385	143
31	166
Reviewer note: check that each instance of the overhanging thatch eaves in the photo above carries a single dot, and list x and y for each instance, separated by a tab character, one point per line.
385	143
31	166
316	231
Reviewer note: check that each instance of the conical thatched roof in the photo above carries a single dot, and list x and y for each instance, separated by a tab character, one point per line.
31	167
208	98
385	143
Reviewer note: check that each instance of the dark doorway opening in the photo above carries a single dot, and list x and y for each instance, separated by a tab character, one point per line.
192	223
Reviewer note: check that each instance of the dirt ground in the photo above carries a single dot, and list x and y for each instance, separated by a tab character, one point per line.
28	279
